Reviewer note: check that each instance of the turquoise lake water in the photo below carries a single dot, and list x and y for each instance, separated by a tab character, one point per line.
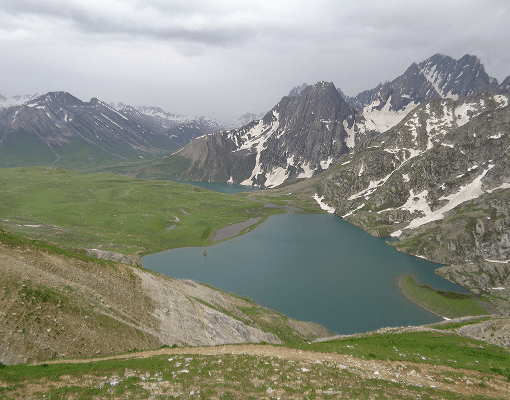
314	268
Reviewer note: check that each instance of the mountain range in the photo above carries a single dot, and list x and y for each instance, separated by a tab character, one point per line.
315	125
60	130
424	158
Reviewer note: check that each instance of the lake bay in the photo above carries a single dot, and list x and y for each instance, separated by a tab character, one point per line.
314	268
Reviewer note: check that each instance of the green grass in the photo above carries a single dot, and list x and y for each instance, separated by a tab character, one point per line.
447	304
116	213
421	347
455	325
15	240
226	376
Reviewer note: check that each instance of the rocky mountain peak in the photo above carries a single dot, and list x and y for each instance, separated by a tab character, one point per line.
439	76
295	92
303	134
457	78
505	86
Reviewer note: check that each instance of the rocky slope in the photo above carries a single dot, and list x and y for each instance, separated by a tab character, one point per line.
55	306
441	155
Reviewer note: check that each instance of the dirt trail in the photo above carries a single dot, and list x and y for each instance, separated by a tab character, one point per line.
417	374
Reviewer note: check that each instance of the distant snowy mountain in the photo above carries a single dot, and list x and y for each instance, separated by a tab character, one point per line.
16	100
182	128
245	119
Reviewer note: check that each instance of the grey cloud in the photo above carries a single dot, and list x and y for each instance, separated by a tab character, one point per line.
188	21
207	56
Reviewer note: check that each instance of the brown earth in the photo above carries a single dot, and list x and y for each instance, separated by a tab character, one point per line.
53	306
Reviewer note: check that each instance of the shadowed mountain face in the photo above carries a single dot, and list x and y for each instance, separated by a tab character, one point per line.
59	129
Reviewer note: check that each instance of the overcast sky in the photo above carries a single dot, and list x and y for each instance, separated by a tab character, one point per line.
222	58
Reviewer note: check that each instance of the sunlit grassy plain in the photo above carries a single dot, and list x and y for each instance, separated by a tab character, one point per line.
114	212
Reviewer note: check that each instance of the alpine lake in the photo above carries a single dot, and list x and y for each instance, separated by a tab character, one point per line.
312	268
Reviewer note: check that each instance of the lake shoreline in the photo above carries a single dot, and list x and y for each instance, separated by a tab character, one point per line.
399	280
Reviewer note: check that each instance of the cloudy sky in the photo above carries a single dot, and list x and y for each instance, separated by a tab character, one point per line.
222	58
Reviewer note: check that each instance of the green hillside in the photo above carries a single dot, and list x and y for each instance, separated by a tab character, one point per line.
116	213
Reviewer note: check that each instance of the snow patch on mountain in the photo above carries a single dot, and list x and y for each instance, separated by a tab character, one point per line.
322	205
326	163
465	112
276	177
307	171
385	118
438	125
468	192
256	138
350	141
17	100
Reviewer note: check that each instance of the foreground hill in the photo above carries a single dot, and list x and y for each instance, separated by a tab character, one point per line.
411	363
58	304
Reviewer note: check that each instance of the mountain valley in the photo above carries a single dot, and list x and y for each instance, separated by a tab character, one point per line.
423	159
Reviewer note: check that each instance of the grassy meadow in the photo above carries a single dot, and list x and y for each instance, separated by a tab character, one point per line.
455	367
114	212
446	304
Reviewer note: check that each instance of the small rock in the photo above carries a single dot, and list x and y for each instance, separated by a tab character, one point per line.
330	392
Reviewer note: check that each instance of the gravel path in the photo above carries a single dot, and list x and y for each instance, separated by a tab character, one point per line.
408	373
